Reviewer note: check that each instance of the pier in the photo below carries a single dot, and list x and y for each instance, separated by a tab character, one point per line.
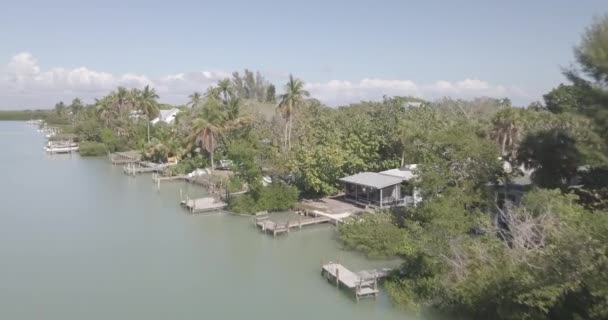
203	205
265	224
143	167
364	283
125	157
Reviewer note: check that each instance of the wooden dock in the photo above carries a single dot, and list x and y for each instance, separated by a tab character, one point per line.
363	283
125	157
203	205
272	227
143	167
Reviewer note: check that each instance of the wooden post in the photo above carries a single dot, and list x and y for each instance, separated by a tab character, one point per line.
375	286
337	277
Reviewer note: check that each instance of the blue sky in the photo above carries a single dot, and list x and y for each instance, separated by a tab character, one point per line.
344	50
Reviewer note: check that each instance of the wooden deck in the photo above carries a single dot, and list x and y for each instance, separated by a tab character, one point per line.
206	204
363	284
125	157
274	227
143	167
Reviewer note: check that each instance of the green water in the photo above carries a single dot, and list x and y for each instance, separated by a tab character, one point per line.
79	240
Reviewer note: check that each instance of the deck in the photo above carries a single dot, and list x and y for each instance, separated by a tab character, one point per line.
363	283
144	167
125	157
277	227
206	204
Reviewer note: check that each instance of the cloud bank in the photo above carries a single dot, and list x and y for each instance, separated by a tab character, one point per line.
23	84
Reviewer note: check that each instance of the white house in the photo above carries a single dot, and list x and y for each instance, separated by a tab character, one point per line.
166	116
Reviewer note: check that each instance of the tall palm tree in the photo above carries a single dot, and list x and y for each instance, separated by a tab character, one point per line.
225	89
147	104
290	101
121	100
104	110
207	129
507	129
195	99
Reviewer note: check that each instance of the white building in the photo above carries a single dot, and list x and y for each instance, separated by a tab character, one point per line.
166	116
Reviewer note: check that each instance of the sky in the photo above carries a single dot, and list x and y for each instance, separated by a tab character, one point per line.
345	51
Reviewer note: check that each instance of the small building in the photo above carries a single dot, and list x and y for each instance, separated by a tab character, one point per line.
385	189
166	116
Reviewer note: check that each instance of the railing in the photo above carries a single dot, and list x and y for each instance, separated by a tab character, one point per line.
389	202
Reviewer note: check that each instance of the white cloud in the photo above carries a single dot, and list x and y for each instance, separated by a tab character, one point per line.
337	92
23	83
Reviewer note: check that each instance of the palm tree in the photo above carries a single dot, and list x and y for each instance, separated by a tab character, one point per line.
290	102
507	129
224	88
147	104
208	129
195	99
103	108
121	100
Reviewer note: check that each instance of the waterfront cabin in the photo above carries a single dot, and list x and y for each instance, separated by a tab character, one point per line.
384	189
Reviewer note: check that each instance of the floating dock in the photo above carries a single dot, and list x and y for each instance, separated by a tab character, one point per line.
364	284
273	227
203	205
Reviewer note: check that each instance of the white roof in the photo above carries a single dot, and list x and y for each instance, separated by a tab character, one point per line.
406	173
166	115
372	179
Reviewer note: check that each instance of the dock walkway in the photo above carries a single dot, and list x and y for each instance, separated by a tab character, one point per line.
125	157
203	205
363	283
273	227
144	167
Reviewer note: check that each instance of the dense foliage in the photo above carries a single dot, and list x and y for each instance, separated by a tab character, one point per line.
89	148
544	258
22	115
276	197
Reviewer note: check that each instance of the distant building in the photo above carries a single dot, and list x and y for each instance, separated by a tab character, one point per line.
166	116
413	104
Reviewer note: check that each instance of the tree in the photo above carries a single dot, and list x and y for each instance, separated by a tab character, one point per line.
224	89
121	100
195	100
290	101
271	94
60	108
147	103
76	106
564	98
507	129
591	76
207	129
555	156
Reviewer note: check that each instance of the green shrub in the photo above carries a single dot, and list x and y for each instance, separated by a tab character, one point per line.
243	204
91	149
188	165
235	184
276	197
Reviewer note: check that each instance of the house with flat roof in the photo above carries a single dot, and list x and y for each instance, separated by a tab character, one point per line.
384	189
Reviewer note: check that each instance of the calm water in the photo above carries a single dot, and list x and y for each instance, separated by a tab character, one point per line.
79	240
